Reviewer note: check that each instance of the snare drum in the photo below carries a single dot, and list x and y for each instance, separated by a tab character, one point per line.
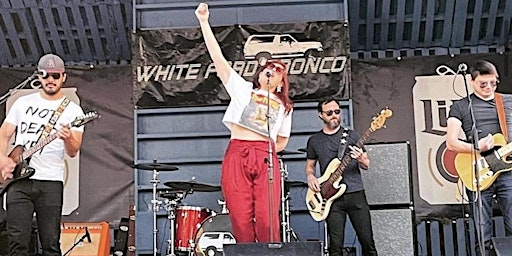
214	232
188	220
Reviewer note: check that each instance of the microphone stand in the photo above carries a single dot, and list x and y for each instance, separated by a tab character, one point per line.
270	166
475	140
81	240
3	99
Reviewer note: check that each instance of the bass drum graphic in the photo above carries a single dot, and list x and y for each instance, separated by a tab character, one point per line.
214	232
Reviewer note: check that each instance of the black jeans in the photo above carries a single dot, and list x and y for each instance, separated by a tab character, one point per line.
355	205
25	197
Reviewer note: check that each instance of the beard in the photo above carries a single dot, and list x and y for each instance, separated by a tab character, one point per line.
51	91
332	124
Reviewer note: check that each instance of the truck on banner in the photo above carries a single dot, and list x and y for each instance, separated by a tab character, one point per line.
173	68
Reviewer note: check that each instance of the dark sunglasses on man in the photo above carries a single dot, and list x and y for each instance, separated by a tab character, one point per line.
55	76
330	112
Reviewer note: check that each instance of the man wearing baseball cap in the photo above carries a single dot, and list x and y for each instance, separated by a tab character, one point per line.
32	118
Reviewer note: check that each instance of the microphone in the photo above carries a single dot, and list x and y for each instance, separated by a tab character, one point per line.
463	67
87	235
269	73
40	72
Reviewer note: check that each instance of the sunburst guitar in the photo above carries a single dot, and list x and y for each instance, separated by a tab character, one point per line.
489	166
331	187
21	156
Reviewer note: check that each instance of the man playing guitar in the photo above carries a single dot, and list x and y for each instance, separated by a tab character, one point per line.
487	108
324	147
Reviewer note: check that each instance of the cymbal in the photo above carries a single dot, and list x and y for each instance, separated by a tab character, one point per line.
288	152
190	186
174	194
155	166
295	183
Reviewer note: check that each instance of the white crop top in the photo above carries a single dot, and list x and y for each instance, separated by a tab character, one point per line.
248	108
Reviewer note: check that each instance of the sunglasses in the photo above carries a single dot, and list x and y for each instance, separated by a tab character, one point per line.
277	68
330	112
55	76
492	83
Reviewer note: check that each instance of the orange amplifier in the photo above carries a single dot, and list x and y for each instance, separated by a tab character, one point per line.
99	234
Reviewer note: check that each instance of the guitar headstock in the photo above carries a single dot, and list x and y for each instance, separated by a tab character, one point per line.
378	121
81	120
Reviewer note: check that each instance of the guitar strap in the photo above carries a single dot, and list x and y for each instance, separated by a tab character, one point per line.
53	120
343	143
501	114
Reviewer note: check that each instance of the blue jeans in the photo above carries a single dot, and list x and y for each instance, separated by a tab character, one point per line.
502	188
45	198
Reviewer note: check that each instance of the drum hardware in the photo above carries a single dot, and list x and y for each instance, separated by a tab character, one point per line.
191	186
155	167
170	206
185	220
326	241
222	204
288	152
288	235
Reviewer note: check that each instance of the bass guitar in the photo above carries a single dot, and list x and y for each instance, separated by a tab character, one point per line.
22	157
331	188
489	166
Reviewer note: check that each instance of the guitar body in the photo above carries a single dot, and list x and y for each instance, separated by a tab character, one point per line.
21	156
319	203
331	188
21	171
464	163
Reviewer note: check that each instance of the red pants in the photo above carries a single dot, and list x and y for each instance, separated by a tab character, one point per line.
245	186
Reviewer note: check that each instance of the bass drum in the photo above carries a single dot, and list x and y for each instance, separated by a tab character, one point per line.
214	232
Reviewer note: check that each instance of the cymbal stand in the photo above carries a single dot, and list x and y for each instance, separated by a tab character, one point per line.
326	239
170	207
286	229
155	207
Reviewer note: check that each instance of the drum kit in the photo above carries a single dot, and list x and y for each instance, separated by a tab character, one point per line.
197	230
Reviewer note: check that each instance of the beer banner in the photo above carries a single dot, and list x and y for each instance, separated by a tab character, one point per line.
173	67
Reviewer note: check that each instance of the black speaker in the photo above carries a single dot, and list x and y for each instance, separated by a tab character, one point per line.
502	246
308	248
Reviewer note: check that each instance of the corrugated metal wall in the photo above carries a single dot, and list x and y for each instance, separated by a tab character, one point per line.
88	32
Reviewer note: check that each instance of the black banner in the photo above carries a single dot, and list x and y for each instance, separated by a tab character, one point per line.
173	68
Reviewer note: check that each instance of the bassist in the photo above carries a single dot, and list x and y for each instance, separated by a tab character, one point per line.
323	147
29	121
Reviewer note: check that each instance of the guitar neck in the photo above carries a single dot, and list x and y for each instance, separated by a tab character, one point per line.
28	153
346	158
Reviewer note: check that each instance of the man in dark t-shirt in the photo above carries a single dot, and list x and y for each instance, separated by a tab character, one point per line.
323	147
484	80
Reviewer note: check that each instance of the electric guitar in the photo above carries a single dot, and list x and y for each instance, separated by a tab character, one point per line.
489	166
319	203
21	157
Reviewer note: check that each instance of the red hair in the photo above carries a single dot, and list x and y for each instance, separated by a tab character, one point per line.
285	88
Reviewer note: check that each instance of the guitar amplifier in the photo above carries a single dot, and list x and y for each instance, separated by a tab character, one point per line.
99	233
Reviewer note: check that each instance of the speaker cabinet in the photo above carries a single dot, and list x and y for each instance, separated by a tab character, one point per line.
71	233
389	162
502	246
393	232
308	248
